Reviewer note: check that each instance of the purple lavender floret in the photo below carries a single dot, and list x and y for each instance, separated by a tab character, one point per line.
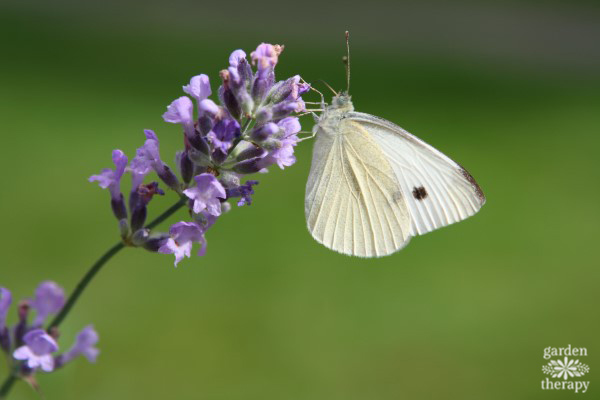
49	299
251	128
183	235
29	343
243	192
111	179
147	158
37	351
206	195
84	345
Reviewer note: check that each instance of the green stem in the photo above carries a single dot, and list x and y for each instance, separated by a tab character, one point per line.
84	282
7	385
87	278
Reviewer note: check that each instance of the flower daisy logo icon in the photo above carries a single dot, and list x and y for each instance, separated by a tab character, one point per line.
565	369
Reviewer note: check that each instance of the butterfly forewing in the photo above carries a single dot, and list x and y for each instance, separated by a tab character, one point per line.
354	204
437	191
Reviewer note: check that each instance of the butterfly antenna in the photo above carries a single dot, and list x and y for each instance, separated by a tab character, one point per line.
328	86
347	62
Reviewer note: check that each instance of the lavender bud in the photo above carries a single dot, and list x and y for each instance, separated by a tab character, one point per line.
186	166
262	132
140	237
208	111
229	179
21	328
145	195
169	178
248	166
5	339
282	90
118	207
138	216
124	227
264	114
251	152
199	143
154	243
228	98
284	109
262	84
219	156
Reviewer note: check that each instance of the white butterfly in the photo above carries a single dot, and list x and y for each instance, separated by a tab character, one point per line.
372	185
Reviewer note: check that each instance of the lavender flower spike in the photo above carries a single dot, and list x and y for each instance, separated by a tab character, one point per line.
84	345
49	299
37	350
183	235
206	194
5	302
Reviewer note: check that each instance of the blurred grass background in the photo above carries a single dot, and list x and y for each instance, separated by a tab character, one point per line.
509	90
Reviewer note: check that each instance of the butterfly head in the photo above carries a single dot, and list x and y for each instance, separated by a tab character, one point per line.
342	102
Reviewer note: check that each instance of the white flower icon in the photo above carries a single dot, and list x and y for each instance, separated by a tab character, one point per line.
565	369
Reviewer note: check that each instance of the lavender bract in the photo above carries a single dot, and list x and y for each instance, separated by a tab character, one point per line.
253	128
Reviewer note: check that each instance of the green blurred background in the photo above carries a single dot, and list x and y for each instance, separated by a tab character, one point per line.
509	90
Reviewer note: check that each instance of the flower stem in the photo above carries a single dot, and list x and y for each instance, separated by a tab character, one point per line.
7	385
87	278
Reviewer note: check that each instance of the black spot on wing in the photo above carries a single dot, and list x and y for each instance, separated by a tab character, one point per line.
419	193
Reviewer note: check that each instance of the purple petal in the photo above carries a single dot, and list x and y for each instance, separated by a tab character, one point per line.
183	235
180	111
266	56
39	342
236	57
199	87
206	194
49	299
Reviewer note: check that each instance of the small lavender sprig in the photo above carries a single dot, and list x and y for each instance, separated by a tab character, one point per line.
35	347
253	128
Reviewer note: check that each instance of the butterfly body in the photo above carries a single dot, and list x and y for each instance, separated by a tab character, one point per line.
372	185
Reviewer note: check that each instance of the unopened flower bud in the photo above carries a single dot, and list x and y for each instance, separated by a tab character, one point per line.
229	179
140	237
247	166
186	166
169	178
124	227
264	115
262	132
118	207
227	96
251	151
154	243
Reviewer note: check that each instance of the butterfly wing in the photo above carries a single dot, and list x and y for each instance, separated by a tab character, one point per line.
353	204
437	190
